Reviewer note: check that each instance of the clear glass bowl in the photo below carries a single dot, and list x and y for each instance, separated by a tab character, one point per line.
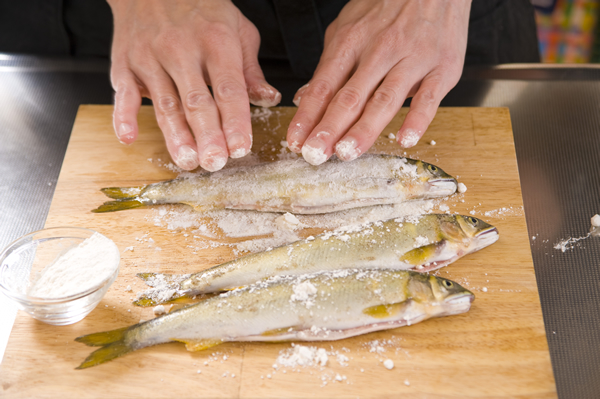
23	260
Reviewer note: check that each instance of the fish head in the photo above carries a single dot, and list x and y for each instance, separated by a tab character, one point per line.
451	297
437	296
467	234
478	234
437	182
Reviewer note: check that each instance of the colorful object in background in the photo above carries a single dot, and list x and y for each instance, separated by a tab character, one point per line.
566	29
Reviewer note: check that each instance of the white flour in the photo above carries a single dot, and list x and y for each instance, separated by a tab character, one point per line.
78	270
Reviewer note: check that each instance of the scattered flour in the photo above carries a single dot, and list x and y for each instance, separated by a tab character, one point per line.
462	188
78	270
570	243
389	364
159	310
303	356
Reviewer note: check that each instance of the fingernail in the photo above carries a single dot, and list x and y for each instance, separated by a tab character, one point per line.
314	152
408	138
347	149
298	95
264	95
294	132
125	132
236	144
212	158
187	158
294	146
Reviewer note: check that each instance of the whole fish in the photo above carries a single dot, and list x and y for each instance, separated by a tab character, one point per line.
294	186
318	307
422	243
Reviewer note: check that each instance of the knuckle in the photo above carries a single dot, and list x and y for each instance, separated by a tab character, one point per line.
230	88
167	39
365	130
348	98
320	89
427	97
385	96
216	33
197	99
168	104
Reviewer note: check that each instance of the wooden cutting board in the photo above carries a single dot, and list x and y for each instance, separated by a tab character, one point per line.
497	349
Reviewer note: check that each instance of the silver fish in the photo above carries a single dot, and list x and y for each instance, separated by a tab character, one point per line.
294	186
318	307
422	243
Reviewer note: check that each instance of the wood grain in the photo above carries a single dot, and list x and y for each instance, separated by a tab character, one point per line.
498	349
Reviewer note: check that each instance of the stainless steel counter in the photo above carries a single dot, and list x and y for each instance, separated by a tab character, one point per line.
555	113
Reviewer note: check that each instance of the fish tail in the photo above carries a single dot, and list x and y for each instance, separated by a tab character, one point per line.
145	301
120	193
119	205
112	344
146	276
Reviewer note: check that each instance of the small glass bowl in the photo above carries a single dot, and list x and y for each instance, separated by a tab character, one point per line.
23	260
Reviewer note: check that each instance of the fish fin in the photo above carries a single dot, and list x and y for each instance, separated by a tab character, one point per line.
112	346
102	338
145	301
233	288
385	311
194	345
279	331
146	276
120	193
119	205
198	207
420	255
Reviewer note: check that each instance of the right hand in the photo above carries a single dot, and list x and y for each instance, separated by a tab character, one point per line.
171	51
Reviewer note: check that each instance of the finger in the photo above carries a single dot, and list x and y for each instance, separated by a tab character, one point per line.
378	112
298	95
260	93
332	72
225	69
127	104
423	108
342	112
170	116
201	112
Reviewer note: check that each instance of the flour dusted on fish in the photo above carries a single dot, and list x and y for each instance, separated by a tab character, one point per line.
304	292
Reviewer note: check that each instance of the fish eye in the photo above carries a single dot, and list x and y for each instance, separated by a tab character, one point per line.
473	221
447	283
432	168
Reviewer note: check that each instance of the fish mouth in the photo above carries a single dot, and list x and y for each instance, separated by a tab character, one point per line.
486	237
459	303
442	186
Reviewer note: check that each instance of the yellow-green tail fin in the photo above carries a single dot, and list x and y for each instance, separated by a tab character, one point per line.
172	280
145	301
120	193
120	205
112	346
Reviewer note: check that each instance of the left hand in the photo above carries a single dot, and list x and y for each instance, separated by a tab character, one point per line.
378	53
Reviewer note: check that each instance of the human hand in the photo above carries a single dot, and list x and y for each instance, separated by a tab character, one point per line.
171	51
378	53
